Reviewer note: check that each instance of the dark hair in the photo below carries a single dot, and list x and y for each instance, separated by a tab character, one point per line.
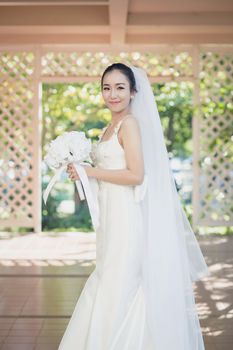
127	71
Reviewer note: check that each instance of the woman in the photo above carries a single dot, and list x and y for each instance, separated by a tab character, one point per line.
139	297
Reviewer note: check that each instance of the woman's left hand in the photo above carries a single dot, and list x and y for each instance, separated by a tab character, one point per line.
73	175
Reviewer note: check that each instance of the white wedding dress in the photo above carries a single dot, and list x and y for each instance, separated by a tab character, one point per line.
110	312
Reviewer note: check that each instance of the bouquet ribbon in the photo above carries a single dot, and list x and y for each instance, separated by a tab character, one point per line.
92	201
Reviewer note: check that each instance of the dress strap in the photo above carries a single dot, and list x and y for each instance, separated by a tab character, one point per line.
115	130
102	133
118	125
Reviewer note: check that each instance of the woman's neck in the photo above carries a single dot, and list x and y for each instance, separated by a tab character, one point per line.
117	117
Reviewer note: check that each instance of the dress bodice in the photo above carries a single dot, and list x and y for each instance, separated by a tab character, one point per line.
109	154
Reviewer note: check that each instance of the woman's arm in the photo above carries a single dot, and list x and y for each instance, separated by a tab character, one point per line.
134	172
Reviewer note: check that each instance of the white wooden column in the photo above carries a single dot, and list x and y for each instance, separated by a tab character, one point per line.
196	138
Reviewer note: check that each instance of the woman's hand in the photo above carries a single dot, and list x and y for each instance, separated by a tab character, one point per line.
73	175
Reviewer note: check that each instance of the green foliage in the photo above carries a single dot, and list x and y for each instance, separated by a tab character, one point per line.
54	220
174	101
69	107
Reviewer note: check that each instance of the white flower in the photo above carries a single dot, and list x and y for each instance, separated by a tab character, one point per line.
51	161
67	148
80	146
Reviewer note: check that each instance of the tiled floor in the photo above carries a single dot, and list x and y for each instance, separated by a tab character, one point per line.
41	277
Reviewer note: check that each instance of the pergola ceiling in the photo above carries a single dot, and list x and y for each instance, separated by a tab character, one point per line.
116	22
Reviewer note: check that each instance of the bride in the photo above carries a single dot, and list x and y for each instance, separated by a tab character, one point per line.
139	296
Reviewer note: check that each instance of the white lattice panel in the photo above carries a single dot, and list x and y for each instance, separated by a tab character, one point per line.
216	129
64	64
17	143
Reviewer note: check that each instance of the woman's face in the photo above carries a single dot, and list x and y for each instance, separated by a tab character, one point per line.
116	91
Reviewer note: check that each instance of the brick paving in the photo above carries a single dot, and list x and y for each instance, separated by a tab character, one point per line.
42	276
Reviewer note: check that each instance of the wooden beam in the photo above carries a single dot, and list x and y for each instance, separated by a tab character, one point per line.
185	38
108	49
174	6
148	26
54	3
179	29
54	15
52	39
118	12
37	29
178	19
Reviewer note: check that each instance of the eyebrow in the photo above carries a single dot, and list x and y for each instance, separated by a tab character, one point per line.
117	84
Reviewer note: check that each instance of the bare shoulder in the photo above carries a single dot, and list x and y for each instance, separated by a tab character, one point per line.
129	129
130	122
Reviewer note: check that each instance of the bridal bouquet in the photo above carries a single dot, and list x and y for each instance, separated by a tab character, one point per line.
72	147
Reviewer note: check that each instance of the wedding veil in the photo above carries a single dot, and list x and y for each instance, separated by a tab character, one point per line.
172	258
